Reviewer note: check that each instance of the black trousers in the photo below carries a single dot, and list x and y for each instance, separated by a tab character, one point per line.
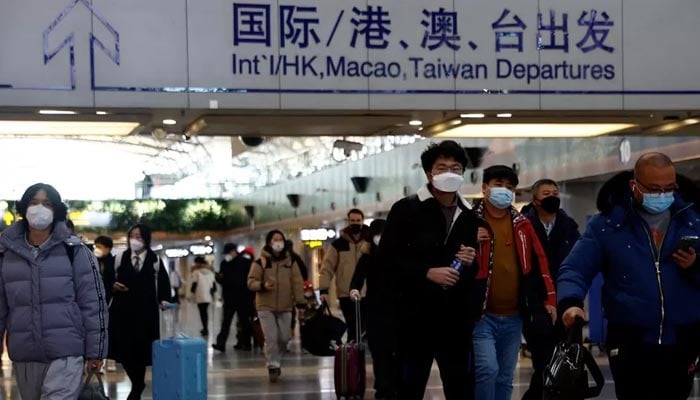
454	359
381	339
204	315
643	371
347	306
245	313
137	375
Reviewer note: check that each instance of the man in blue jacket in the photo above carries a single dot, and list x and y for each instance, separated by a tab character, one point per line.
652	283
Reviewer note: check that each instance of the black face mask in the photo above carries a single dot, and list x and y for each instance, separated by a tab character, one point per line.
550	204
355	229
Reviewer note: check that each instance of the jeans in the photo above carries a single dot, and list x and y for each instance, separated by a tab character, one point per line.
496	347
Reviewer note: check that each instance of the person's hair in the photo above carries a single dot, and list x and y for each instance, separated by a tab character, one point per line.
653	159
145	234
536	186
60	210
501	172
445	149
268	237
105	241
229	247
356	211
200	260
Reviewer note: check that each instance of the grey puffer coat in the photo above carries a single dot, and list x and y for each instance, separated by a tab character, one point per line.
50	308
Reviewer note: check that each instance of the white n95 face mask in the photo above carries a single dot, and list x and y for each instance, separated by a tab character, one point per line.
448	182
135	244
98	253
39	217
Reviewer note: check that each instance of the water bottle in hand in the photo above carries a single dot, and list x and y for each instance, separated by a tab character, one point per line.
457	266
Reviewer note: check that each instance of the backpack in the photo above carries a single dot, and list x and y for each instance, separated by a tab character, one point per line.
565	377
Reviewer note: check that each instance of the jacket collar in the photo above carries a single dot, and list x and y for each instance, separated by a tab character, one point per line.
13	238
480	209
424	194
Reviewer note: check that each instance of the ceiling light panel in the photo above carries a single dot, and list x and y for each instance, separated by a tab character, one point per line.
532	130
67	128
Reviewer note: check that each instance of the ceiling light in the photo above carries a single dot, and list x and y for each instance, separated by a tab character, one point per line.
532	130
691	121
57	112
415	122
101	112
504	115
169	122
472	115
67	128
456	122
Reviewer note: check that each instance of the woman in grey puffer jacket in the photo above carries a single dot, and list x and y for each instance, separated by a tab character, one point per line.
53	310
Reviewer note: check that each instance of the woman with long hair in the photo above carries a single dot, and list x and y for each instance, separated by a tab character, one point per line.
142	286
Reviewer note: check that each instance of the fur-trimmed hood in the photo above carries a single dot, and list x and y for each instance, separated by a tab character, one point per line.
616	192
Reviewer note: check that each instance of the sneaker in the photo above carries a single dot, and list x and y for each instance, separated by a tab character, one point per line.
111	366
274	374
219	348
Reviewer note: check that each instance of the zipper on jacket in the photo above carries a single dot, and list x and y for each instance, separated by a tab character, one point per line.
657	257
522	241
657	266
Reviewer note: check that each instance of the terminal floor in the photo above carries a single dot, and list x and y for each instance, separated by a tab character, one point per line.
242	375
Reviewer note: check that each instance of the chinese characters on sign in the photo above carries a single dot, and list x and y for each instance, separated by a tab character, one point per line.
305	32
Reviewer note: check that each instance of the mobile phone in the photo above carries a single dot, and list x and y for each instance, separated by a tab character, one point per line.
687	242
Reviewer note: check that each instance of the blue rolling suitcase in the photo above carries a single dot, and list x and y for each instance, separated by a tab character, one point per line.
179	368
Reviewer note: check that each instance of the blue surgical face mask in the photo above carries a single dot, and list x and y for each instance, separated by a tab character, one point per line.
500	197
657	203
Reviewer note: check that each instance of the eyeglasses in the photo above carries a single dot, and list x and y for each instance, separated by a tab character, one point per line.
657	192
455	170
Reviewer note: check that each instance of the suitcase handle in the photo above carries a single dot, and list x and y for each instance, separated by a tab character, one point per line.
358	322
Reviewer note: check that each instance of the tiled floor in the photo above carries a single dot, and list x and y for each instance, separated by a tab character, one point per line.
242	375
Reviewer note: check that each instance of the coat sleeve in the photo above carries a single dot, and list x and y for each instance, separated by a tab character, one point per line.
90	297
297	286
579	268
255	277
108	278
541	266
328	269
395	246
164	289
4	310
360	274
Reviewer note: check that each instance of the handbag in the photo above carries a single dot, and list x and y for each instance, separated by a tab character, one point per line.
92	390
566	377
321	334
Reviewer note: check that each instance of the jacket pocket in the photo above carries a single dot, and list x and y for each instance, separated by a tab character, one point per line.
76	317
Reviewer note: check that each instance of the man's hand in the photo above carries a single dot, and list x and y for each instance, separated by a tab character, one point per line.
685	258
483	235
269	285
552	311
444	276
570	315
466	255
355	295
94	365
324	298
119	287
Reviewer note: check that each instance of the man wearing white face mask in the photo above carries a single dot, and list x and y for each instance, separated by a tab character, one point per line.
428	250
519	285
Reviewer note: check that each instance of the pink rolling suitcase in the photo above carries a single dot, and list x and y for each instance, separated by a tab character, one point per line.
349	366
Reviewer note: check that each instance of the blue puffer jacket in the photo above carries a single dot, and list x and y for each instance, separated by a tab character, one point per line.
643	289
50	308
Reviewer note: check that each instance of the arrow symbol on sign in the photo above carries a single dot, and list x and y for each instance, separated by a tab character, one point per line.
69	41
